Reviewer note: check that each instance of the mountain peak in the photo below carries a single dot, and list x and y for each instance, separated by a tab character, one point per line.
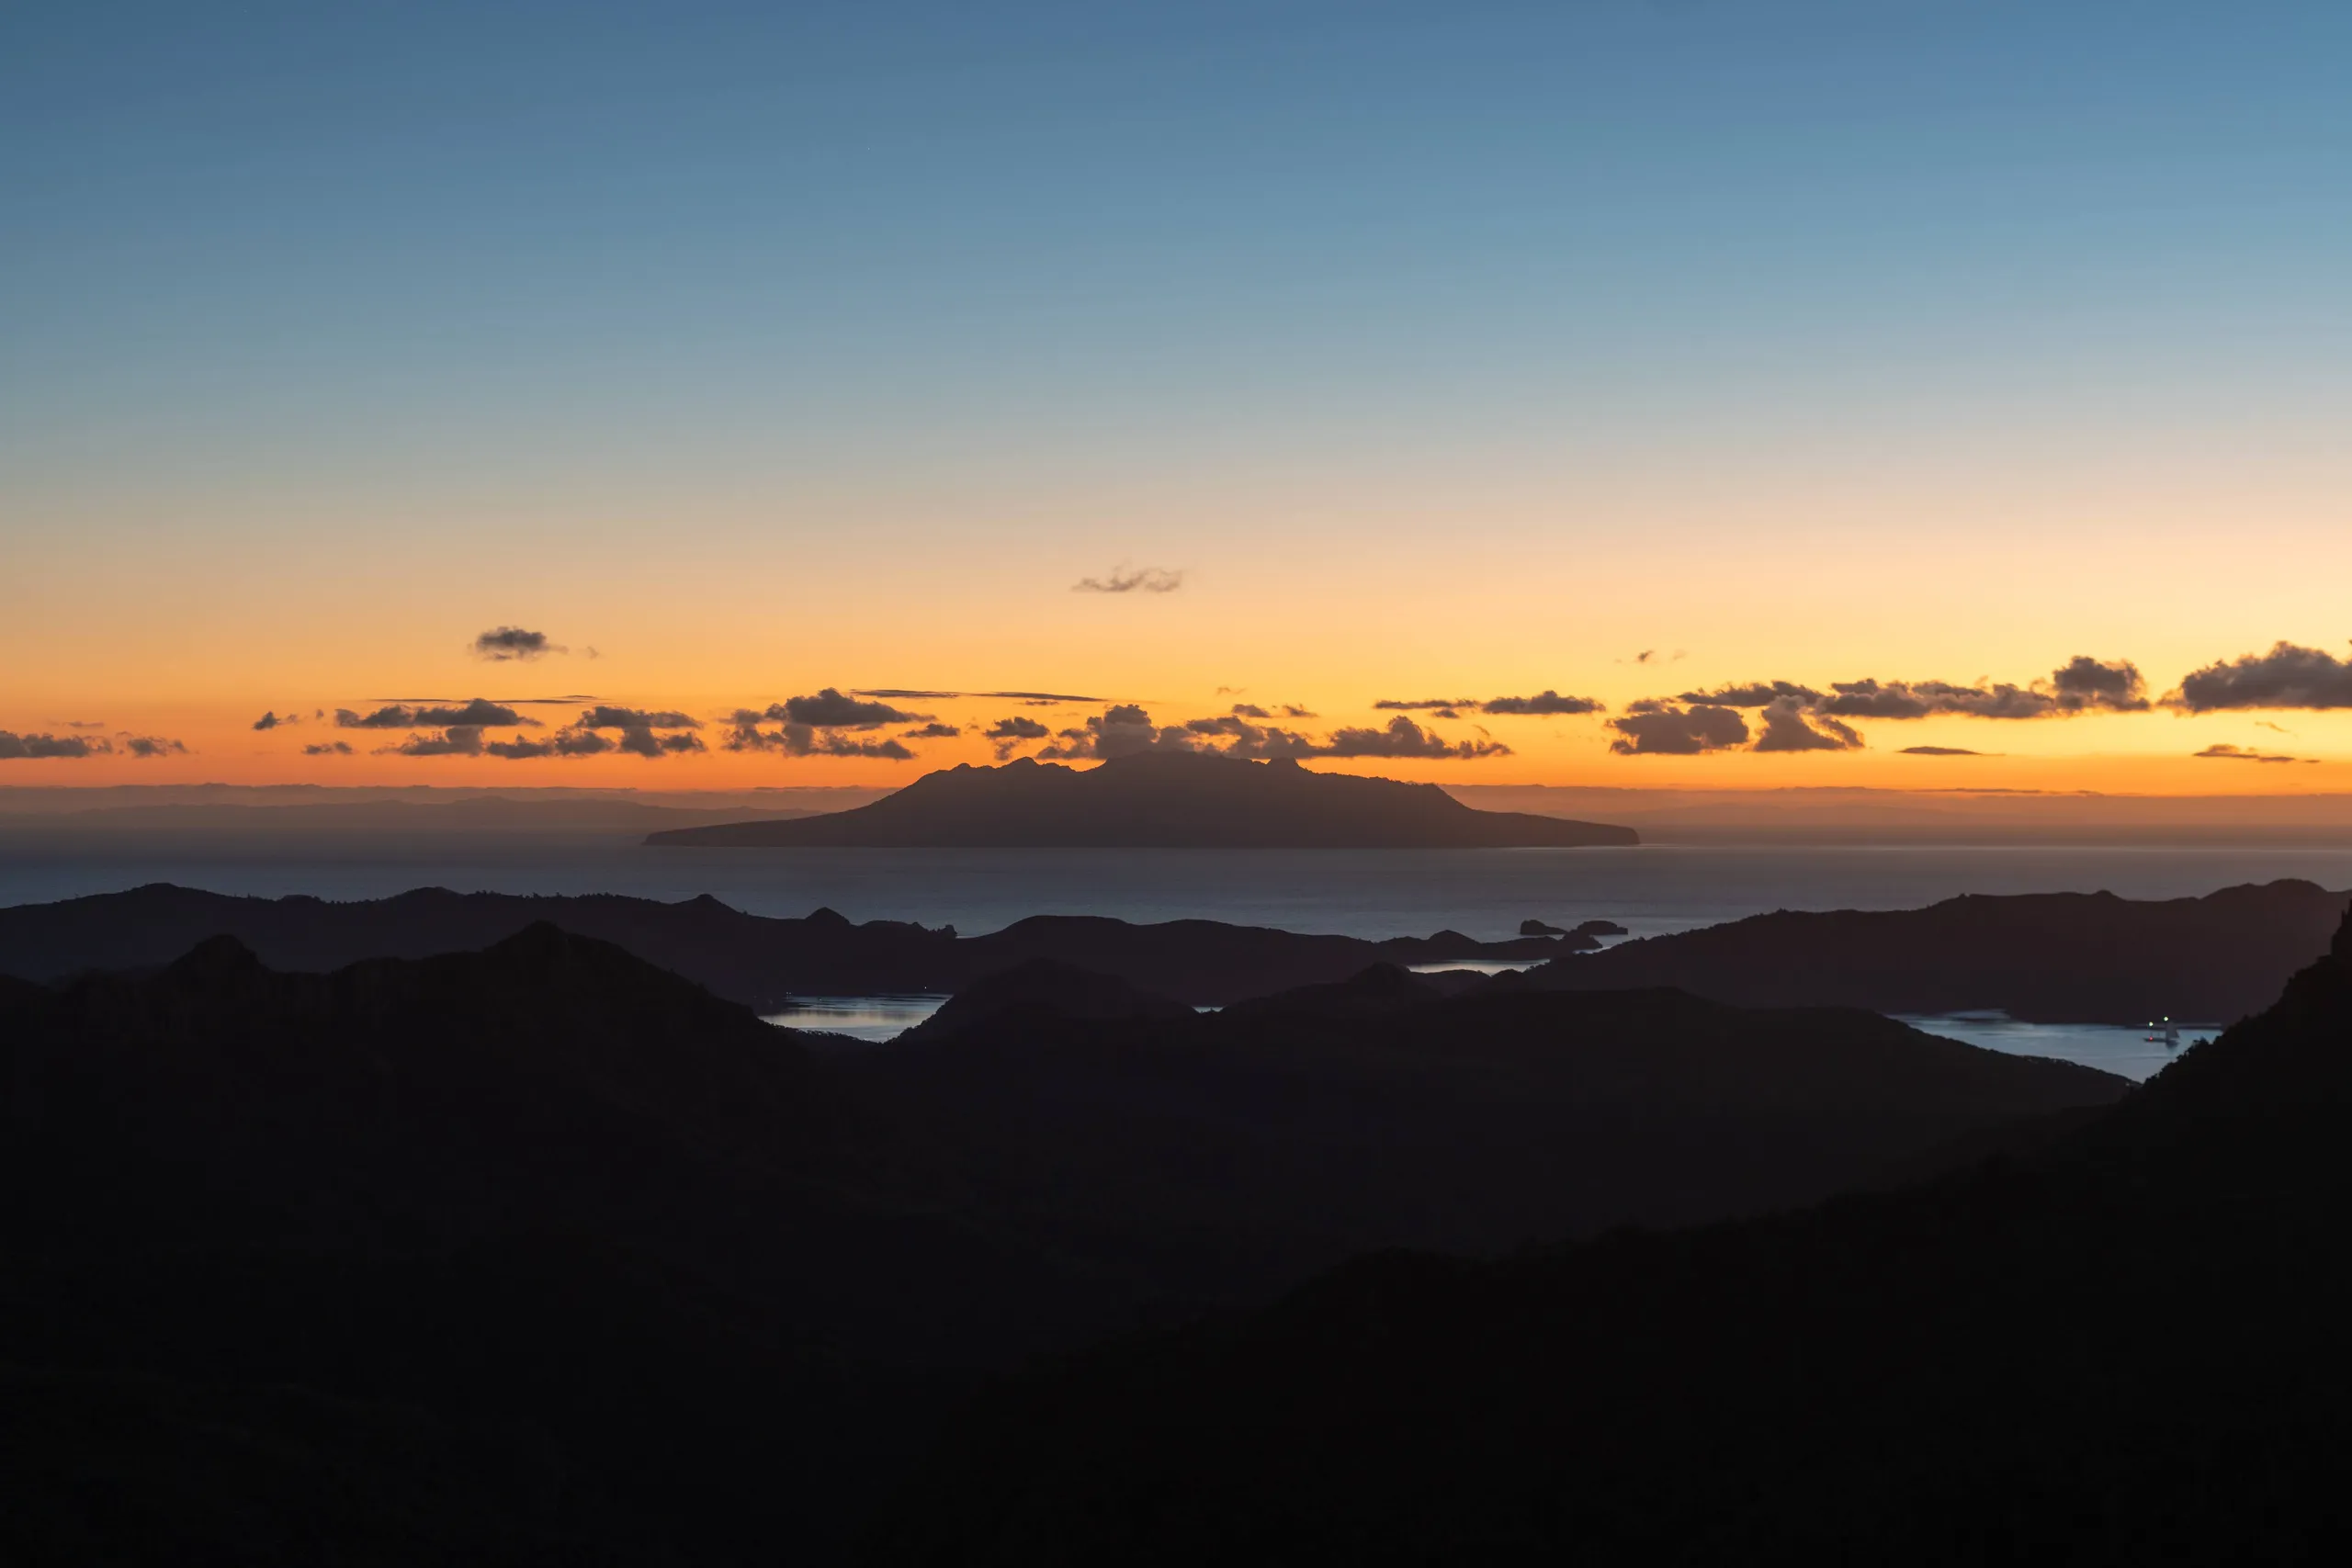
1160	800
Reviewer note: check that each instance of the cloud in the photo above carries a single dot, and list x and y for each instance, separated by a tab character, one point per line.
1283	710
501	644
1121	731
86	724
328	749
605	717
1755	694
638	730
805	740
2082	683
909	692
829	709
478	713
1140	579
807	726
151	746
272	720
1403	737
646	744
2274	728
1544	702
1125	729
933	732
458	740
1788	728
1938	751
1242	739
2287	677
1919	699
1421	704
1654	728
24	748
2223	753
1012	734
572	741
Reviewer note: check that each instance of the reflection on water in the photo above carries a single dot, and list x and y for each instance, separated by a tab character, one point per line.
871	1019
1476	967
2128	1052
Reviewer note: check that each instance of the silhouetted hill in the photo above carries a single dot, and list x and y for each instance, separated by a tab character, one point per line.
1219	1156
2124	1345
2048	957
1158	800
486	1256
544	1189
1044	988
747	958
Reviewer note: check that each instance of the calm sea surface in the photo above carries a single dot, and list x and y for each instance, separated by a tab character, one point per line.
1485	893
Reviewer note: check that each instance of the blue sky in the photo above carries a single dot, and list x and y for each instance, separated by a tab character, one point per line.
1011	291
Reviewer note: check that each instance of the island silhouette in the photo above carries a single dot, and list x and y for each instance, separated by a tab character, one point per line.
1158	800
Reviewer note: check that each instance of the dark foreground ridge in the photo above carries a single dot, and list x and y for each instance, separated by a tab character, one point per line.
750	959
2044	957
540	1254
2120	1344
1158	800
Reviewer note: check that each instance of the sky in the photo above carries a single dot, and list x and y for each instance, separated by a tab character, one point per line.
1354	351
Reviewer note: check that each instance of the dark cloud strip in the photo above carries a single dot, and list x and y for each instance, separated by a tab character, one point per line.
1126	730
2227	754
2289	676
1547	703
480	713
16	748
501	644
909	694
1655	729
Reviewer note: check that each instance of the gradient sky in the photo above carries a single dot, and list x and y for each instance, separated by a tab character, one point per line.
1465	350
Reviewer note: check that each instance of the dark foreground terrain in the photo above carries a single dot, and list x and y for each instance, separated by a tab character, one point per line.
2118	1342
540	1254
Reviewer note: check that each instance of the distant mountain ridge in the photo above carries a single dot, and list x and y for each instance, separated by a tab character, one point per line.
1158	800
2043	957
750	959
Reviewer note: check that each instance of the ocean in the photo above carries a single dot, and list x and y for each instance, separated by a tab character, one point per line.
1484	893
